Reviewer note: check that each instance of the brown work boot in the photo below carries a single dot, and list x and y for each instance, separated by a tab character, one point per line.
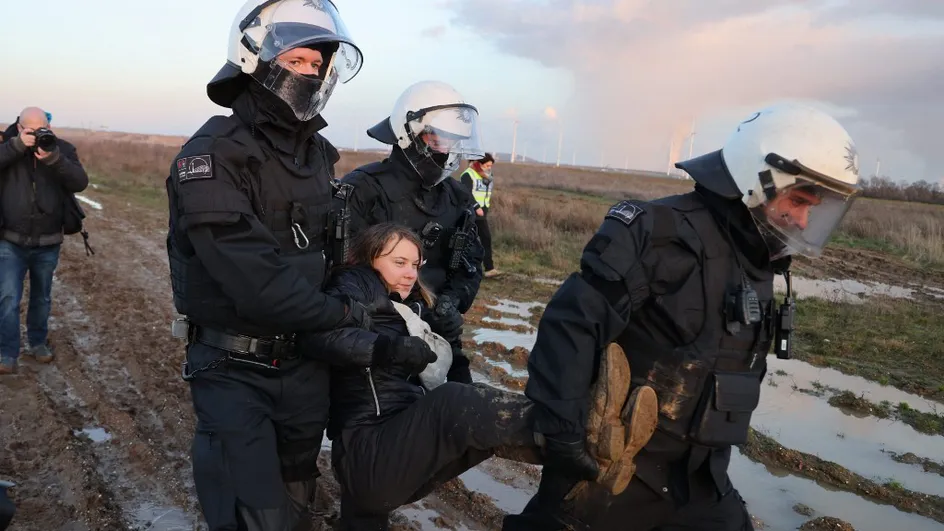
619	424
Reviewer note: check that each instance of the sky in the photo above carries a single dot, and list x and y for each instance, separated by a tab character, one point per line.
620	83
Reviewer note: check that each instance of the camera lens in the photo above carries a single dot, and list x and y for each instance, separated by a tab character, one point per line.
45	139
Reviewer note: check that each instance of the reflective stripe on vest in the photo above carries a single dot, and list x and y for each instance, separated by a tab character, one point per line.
481	192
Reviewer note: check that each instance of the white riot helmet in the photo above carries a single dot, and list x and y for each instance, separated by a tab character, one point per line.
435	128
796	168
264	29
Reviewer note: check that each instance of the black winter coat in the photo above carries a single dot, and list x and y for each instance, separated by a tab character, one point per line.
34	193
363	393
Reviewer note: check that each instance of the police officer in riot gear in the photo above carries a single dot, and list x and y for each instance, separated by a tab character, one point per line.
431	128
684	285
250	196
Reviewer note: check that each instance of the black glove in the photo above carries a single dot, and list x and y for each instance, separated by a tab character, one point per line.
357	315
445	318
567	454
410	351
459	371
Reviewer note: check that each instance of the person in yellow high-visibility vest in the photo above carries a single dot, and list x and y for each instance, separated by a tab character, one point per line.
477	178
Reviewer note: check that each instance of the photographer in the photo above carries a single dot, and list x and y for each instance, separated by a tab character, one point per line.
38	174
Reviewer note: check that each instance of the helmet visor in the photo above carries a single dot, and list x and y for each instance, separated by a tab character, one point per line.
801	218
447	129
310	23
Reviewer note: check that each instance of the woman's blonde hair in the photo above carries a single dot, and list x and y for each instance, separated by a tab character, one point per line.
370	244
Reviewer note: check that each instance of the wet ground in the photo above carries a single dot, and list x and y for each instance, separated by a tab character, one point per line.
100	438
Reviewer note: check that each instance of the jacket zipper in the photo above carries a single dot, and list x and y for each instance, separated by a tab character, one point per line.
373	390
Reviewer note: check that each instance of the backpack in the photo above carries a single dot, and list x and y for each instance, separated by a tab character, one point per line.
72	220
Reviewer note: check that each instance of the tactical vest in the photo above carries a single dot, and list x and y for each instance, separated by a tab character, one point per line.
481	189
708	384
435	225
296	211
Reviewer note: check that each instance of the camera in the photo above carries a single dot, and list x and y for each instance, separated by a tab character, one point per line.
45	139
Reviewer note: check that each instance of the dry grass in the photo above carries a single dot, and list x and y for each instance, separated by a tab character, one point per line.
542	215
915	230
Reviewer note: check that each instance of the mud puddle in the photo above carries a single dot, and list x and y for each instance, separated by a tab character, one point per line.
809	424
156	518
508	338
806	376
506	497
96	435
507	367
842	290
427	519
521	309
771	493
507	321
479	377
937	293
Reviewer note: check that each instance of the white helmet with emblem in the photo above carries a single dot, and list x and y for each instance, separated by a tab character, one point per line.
797	170
435	127
263	30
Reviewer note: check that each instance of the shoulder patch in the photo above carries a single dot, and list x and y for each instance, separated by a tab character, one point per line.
625	212
194	167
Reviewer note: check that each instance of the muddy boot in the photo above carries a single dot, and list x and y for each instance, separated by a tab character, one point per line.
618	426
641	416
8	366
41	353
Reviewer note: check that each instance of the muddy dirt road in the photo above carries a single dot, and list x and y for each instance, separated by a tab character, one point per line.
99	439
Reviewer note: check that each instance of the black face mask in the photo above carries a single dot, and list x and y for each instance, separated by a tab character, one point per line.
428	167
278	112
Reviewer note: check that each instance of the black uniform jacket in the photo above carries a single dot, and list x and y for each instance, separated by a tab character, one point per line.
362	392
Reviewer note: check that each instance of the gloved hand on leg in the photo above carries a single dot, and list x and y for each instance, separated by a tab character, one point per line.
459	371
567	454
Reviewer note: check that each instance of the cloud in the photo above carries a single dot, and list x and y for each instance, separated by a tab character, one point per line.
434	32
643	69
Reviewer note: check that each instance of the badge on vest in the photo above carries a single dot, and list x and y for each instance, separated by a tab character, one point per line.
624	212
195	167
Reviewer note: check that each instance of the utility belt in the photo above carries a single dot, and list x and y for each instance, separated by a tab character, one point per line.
260	353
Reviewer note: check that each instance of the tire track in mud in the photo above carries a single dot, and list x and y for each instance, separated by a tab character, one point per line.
117	369
59	483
